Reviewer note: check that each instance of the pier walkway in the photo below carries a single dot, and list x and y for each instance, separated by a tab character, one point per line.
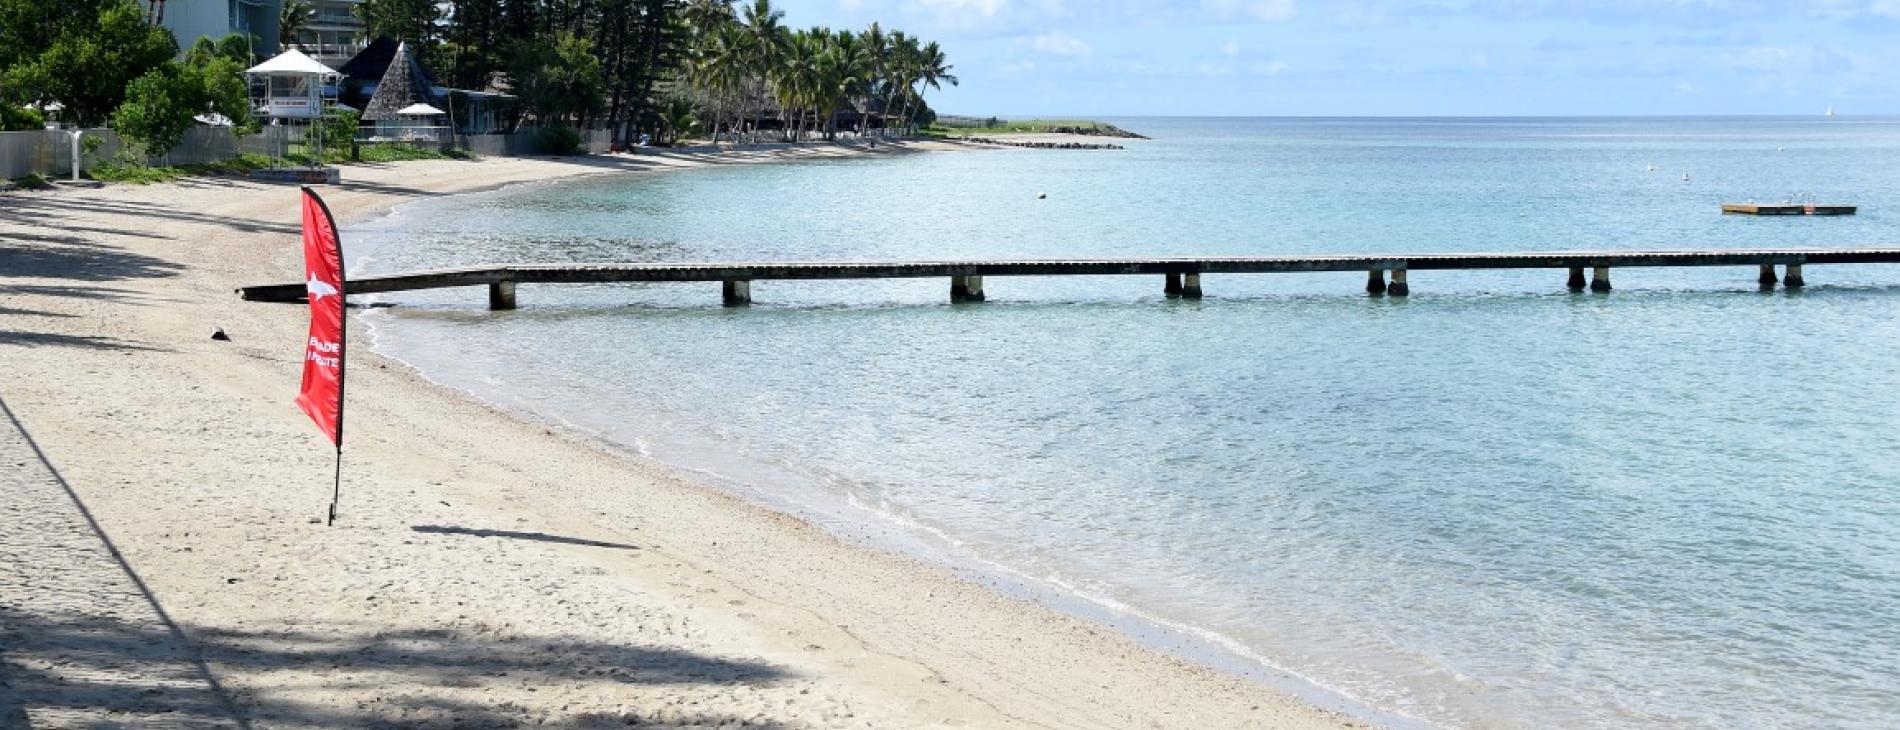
1386	274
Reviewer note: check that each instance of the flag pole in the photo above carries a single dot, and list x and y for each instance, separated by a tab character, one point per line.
336	489
321	395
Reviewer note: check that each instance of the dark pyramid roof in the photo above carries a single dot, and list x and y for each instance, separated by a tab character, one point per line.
403	84
368	65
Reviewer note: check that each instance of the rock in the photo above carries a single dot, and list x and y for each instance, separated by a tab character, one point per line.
217	333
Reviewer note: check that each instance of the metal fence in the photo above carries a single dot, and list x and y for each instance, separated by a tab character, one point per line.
528	142
48	153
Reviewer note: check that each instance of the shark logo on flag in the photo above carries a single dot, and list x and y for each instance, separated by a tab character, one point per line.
319	288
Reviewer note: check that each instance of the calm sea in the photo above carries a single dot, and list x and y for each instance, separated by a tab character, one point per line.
1494	504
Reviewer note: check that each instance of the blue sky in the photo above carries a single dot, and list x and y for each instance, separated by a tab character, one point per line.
1367	57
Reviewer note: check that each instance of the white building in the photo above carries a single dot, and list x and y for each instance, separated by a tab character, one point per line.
334	33
189	20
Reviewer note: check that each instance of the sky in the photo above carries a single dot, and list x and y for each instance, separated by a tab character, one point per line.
1021	58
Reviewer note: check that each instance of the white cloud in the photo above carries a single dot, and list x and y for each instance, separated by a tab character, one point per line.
1791	59
1357	15
1267	68
1270	11
952	8
1056	43
1230	49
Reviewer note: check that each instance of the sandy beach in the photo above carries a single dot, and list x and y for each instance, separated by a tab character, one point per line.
163	561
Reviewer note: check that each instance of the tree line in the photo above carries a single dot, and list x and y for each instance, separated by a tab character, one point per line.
665	67
668	68
108	61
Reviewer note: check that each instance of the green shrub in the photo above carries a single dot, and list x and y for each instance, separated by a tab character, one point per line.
560	141
126	170
337	132
120	171
400	152
161	105
33	181
15	118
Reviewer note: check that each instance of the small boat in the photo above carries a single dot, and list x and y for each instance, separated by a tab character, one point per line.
1830	111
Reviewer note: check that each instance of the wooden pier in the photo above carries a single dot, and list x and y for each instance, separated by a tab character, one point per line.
1786	209
1386	275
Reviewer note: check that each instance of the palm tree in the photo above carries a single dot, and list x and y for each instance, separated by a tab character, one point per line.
765	39
706	17
906	62
842	74
932	69
291	21
877	51
720	68
678	118
792	80
896	58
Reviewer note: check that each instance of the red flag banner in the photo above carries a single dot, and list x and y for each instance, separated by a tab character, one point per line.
322	394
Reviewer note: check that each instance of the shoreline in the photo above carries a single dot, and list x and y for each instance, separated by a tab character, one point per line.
875	529
484	567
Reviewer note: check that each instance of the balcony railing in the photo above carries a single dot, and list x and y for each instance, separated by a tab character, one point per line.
332	50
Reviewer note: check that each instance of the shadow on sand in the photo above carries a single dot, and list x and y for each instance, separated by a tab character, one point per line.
76	666
514	535
115	657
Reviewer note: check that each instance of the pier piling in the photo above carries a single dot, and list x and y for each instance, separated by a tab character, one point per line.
1173	286
1793	280
1191	286
1398	287
501	295
1767	278
1576	282
966	288
1375	282
1600	279
736	292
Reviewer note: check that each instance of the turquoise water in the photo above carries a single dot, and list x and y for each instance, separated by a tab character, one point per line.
1495	504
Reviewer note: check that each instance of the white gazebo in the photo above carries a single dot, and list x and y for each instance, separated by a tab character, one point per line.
293	85
294	90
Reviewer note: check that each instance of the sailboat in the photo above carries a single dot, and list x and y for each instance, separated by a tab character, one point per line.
1830	111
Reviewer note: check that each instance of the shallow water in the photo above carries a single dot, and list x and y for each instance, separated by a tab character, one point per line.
1496	503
